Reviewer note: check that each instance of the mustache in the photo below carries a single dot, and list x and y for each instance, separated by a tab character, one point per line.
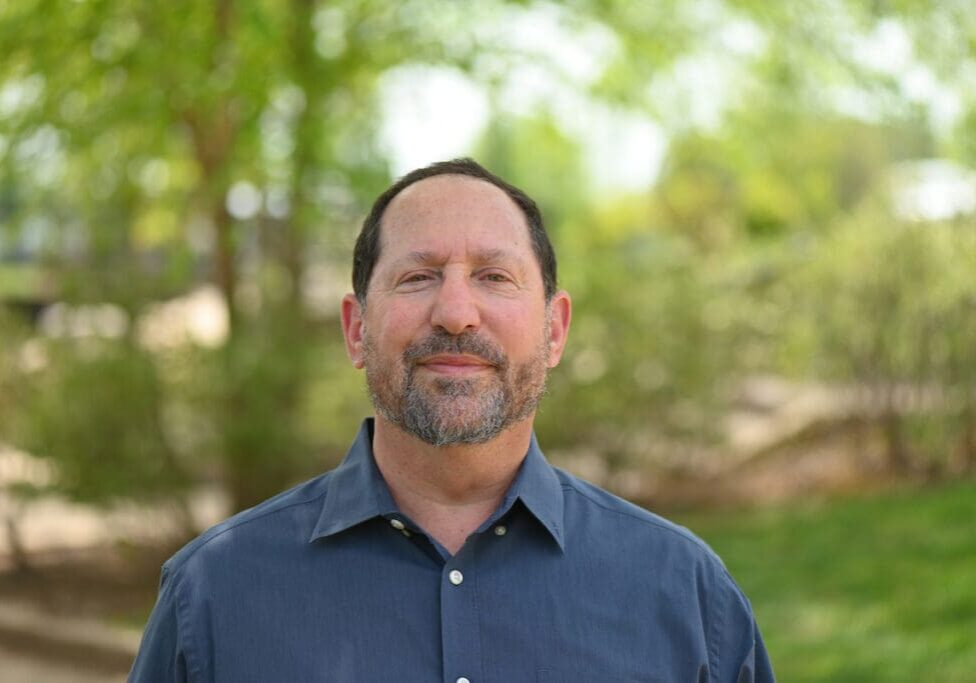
466	343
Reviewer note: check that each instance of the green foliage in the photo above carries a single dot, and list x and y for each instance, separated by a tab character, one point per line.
880	589
547	164
649	359
770	173
282	401
96	409
886	300
888	307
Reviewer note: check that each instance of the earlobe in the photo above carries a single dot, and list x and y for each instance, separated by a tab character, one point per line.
352	329
560	314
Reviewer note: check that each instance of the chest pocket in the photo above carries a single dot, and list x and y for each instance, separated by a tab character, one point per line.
563	676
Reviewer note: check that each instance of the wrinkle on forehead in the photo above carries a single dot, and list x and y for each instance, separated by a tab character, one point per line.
427	257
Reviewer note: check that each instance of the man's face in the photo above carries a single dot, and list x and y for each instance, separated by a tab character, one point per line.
456	337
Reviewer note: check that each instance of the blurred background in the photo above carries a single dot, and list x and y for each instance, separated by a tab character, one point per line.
765	213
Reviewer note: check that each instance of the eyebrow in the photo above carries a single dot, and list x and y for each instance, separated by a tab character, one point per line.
425	257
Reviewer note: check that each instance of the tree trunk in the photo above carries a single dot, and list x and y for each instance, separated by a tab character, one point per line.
898	457
225	270
260	467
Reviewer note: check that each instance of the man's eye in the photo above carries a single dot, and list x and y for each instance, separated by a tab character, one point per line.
496	277
416	277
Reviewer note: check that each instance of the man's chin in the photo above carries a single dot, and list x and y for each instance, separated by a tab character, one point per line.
463	415
454	421
458	435
458	388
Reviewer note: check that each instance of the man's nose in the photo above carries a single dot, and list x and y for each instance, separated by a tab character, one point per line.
455	308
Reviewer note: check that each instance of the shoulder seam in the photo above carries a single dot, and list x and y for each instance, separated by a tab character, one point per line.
239	523
685	535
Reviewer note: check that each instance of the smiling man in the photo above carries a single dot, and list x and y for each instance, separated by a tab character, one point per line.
445	547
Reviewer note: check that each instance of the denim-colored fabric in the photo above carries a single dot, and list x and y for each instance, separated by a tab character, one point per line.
565	582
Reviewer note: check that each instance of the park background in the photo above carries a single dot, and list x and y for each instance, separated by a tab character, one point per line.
765	213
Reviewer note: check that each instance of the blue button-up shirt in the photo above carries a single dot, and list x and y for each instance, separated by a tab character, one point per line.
564	582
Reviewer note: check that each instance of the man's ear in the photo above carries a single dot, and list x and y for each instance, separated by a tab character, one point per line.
560	313
352	329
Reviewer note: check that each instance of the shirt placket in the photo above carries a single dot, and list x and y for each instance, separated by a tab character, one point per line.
460	630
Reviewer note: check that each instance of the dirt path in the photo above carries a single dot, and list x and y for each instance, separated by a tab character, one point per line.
18	667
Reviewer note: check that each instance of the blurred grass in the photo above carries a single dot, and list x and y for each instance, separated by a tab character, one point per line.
873	589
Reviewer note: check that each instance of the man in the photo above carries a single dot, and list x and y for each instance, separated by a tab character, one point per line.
445	547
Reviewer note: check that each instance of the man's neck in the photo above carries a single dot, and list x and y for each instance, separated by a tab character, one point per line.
449	490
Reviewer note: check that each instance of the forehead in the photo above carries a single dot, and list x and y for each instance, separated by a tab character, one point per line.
448	211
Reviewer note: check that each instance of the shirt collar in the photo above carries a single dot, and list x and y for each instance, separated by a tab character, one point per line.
357	491
540	491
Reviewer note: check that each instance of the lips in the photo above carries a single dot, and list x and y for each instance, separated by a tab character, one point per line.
464	353
451	364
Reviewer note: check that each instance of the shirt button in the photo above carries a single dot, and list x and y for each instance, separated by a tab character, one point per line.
462	680
456	578
500	530
396	524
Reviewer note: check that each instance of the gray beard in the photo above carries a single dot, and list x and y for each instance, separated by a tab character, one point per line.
458	411
438	419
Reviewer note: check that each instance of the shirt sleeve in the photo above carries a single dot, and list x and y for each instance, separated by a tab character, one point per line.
161	658
762	669
742	653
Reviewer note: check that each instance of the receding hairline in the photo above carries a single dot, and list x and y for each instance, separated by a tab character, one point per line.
495	191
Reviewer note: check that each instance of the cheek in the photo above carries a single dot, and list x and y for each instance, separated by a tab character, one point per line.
394	327
520	330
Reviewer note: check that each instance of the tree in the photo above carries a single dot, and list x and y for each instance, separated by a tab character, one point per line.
885	306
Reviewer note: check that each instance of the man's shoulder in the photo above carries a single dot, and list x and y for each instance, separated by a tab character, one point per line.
621	522
287	516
